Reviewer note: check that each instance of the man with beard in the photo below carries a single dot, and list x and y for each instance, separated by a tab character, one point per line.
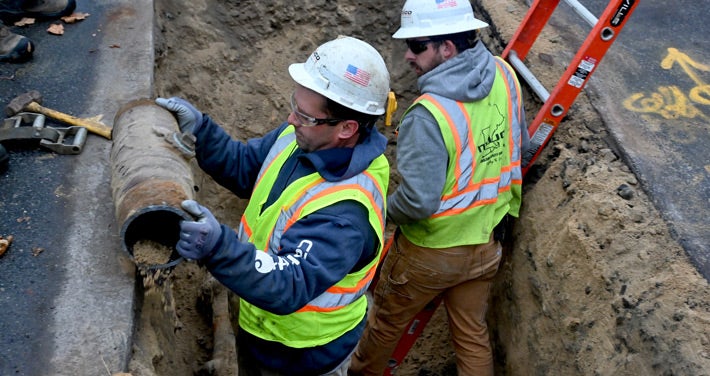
459	154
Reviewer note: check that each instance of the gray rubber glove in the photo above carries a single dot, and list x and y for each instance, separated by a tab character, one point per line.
189	119
198	238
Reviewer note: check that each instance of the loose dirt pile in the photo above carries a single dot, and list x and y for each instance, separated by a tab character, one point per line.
592	283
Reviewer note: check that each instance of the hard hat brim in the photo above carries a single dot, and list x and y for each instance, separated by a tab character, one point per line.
298	74
418	32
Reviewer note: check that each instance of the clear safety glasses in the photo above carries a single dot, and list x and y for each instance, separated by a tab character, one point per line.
310	121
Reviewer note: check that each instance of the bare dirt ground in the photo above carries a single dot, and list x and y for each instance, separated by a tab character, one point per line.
592	283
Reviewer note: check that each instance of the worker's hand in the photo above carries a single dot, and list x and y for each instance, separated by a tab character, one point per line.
189	119
198	238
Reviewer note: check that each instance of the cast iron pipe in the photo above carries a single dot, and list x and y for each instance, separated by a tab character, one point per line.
150	177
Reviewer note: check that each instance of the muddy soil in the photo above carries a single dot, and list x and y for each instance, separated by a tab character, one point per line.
592	283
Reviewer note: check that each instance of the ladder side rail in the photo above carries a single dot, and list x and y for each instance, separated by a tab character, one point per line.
575	77
535	20
409	337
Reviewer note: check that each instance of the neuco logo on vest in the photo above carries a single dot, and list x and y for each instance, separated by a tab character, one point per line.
492	138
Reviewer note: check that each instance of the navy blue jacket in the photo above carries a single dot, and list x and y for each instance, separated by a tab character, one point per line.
342	237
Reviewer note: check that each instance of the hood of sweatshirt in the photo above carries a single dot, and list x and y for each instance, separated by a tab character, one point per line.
467	77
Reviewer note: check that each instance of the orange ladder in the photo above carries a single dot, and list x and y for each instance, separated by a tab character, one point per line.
556	104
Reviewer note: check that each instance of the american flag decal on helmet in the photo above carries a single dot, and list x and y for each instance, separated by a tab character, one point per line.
357	75
445	3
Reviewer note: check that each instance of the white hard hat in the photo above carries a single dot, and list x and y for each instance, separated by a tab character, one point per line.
425	18
348	71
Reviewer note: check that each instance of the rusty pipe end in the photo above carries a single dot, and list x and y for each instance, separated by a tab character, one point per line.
158	223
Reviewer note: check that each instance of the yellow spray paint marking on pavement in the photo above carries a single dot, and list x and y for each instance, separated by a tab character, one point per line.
670	101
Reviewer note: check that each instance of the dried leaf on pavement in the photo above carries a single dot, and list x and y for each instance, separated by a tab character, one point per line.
56	29
25	21
74	17
5	243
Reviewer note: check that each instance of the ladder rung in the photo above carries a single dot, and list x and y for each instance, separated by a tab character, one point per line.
528	76
583	12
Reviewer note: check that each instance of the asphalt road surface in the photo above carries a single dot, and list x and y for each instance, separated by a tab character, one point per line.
652	89
66	301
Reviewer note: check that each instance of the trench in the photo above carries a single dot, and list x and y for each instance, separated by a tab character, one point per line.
180	327
592	283
181	311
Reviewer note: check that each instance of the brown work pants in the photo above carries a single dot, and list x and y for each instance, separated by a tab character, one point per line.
411	277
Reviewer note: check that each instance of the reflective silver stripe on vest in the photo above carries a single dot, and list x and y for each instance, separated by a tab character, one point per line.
326	299
333	300
361	180
275	150
516	111
469	194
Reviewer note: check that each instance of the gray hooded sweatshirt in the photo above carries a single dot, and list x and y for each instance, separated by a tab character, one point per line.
422	158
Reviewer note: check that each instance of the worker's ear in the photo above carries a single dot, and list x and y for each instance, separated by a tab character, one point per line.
448	49
349	129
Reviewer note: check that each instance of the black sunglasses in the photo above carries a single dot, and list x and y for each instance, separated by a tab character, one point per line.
418	46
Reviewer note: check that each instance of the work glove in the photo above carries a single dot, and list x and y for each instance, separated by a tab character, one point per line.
198	238
189	119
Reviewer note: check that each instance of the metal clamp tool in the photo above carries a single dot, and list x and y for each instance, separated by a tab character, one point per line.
69	140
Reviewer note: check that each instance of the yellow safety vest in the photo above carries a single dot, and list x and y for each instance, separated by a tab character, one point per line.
341	307
483	176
